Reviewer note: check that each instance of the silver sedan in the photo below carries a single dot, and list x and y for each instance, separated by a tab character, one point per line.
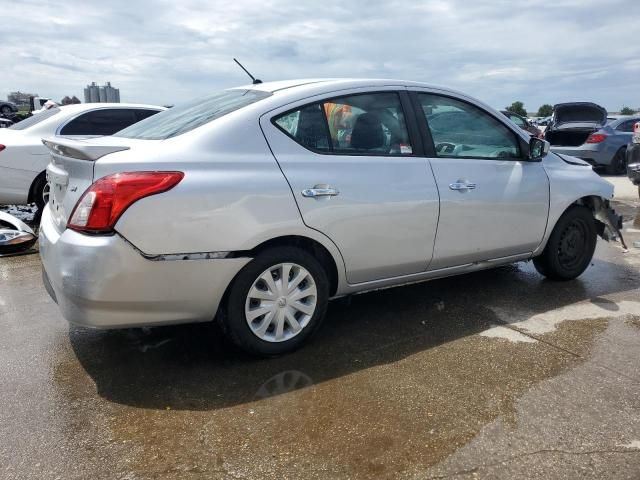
257	205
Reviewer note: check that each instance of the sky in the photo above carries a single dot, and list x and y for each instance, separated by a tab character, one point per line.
165	52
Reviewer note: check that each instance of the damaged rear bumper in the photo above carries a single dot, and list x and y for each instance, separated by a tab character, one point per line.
102	281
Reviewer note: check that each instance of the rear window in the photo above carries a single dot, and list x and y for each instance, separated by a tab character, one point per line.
35	119
105	121
186	117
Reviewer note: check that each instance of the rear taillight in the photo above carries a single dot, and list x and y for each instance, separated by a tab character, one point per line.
2	147
105	201
596	138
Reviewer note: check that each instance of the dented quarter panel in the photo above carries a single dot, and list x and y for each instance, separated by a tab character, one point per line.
230	180
567	184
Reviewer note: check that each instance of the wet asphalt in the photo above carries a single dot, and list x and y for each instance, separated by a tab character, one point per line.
497	374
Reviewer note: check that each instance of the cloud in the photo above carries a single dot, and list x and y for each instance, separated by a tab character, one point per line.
165	51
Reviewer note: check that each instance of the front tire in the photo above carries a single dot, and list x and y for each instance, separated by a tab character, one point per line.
570	247
276	302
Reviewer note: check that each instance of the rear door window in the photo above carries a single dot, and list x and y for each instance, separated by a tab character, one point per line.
100	122
627	126
363	124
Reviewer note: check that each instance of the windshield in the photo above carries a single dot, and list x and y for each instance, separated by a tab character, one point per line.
35	119
186	117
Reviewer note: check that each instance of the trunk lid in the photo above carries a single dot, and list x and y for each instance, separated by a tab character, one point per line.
572	123
579	115
70	172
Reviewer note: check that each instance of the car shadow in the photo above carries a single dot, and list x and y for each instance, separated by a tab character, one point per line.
192	367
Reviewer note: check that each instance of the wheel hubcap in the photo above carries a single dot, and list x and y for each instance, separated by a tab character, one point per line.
572	247
281	302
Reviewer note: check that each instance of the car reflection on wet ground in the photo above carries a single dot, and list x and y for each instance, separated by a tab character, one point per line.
497	374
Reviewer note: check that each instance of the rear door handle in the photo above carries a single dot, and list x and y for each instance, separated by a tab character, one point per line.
318	191
462	185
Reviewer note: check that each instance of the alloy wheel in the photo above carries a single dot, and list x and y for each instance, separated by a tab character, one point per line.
281	302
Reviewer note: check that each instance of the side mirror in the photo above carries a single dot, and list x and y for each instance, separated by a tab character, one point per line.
538	148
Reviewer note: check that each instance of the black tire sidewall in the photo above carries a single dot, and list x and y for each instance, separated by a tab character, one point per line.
38	189
618	165
548	264
233	317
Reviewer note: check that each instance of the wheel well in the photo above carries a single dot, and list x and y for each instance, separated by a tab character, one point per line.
32	193
591	202
310	246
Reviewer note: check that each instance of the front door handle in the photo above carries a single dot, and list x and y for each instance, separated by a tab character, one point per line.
462	185
319	191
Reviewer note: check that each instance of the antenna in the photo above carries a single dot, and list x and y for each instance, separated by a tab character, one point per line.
256	81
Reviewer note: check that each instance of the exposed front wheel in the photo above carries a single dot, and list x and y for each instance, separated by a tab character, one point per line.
276	302
570	247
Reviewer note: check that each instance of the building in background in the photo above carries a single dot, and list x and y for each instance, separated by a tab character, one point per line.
101	93
20	98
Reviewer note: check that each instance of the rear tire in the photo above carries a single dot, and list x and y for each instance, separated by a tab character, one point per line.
40	191
570	247
293	310
618	164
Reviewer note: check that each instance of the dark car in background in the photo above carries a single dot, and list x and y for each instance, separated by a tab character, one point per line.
7	108
582	129
523	123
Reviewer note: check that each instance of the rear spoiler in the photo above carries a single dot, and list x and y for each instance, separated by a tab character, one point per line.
79	149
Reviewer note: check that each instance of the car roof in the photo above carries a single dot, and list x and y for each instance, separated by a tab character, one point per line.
622	119
337	83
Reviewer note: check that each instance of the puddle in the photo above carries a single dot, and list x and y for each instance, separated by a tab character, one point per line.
547	322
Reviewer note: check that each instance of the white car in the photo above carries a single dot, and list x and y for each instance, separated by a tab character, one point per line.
24	159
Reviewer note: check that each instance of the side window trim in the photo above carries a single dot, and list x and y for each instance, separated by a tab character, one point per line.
425	133
411	121
430	148
409	115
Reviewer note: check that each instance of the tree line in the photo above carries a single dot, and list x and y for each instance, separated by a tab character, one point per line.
546	110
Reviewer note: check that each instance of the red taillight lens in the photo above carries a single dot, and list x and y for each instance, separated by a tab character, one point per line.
105	201
2	147
596	138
